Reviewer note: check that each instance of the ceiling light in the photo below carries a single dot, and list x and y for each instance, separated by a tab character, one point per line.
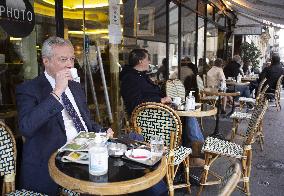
15	39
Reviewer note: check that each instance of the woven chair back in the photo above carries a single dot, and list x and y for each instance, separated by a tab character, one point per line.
157	119
279	81
200	82
230	180
260	86
256	118
8	151
175	88
262	95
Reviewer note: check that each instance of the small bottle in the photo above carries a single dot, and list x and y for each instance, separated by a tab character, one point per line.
98	157
190	101
222	86
239	78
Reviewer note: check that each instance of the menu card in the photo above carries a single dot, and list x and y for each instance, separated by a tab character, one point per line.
76	150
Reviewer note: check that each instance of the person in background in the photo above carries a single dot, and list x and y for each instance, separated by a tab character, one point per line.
188	72
247	67
44	115
162	71
214	78
233	69
137	88
272	73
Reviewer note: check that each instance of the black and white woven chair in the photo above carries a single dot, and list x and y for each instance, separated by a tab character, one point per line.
250	100
175	88
158	119
238	116
202	94
277	92
8	157
214	148
8	154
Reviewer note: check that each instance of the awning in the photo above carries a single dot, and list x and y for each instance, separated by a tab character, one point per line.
259	10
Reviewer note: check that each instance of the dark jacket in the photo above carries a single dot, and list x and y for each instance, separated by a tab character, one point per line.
232	69
41	123
272	74
136	88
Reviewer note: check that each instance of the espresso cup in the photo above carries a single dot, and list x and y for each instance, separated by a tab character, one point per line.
74	73
177	100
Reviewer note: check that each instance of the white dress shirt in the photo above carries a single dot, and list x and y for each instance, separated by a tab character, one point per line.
70	129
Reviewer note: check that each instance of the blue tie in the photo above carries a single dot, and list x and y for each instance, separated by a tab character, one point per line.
72	112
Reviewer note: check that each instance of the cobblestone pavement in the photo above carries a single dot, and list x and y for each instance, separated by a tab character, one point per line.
267	175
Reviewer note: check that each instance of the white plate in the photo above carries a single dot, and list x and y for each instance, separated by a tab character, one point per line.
138	153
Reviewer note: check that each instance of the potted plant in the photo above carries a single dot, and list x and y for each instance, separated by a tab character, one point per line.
249	52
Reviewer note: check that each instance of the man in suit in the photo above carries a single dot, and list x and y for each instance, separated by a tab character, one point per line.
44	115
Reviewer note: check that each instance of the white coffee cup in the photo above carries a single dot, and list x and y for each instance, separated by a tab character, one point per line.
177	100
74	74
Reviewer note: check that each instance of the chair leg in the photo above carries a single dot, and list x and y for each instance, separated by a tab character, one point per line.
235	128
241	105
233	134
170	180
186	165
261	135
209	159
246	166
201	124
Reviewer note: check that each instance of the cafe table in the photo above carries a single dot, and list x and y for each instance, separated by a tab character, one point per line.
234	83
123	177
249	78
202	110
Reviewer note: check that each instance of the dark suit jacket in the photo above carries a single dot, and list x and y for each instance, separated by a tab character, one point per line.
232	69
41	123
136	88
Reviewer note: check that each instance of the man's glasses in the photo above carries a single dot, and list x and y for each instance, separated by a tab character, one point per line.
63	59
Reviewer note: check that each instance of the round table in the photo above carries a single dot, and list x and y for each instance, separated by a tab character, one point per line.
249	79
123	176
234	83
202	110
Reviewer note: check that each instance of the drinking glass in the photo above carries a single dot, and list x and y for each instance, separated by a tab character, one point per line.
157	145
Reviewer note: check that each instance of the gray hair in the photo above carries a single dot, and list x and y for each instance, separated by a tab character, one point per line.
48	44
237	59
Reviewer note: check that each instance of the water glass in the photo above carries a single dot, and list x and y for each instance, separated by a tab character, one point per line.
157	145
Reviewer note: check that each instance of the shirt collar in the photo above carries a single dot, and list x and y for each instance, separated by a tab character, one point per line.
50	79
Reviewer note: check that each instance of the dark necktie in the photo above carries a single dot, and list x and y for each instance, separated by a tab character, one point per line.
72	112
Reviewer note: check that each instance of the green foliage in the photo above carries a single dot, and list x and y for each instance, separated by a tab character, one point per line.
249	52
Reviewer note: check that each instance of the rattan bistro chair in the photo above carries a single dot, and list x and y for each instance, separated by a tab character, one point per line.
175	88
8	154
158	119
244	100
277	92
239	116
214	148
202	94
230	180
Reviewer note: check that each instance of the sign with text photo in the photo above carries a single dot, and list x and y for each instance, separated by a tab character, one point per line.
17	17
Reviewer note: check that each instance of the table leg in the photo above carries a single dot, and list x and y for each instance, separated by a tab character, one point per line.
216	132
233	108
